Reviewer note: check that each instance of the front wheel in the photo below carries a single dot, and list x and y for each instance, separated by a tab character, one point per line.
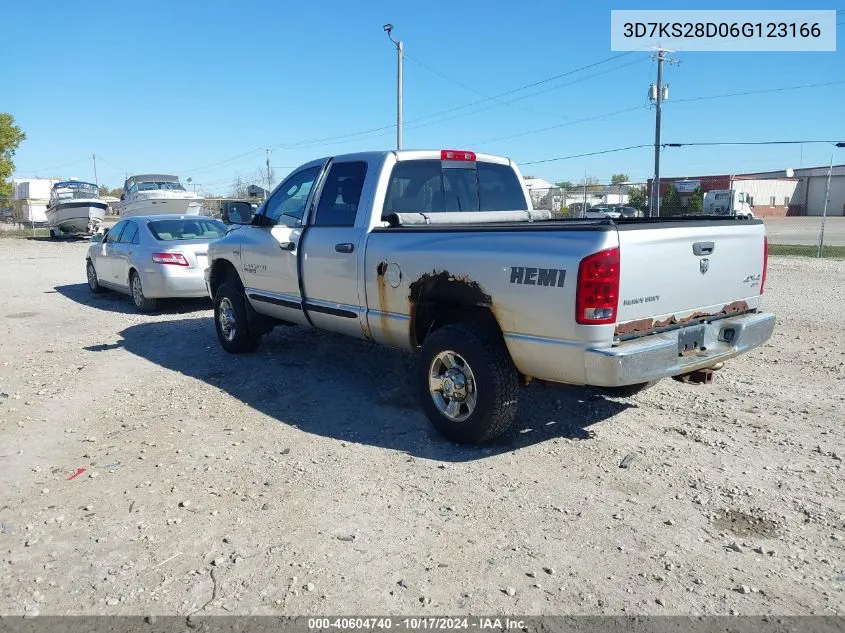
231	323
93	282
467	384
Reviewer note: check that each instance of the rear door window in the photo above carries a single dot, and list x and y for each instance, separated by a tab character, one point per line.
114	234
129	233
432	186
341	194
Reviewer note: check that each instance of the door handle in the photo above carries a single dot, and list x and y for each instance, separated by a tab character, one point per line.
345	247
287	246
703	248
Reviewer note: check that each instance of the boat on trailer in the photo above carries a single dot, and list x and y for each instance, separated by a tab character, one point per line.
157	194
75	208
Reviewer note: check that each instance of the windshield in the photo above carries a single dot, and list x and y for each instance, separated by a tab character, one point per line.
187	229
151	186
73	190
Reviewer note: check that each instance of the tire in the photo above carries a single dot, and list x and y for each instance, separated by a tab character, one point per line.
142	303
93	282
230	321
626	391
484	370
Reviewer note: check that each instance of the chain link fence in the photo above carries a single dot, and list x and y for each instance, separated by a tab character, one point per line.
803	236
574	201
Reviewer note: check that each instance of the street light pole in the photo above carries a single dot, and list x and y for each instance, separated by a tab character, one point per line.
400	54
826	196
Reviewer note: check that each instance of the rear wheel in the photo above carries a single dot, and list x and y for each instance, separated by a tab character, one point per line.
142	303
93	282
467	384
230	321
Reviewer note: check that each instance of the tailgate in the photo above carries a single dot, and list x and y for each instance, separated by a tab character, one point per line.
681	270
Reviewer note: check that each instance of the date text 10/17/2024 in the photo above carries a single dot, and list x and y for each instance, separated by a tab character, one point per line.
415	624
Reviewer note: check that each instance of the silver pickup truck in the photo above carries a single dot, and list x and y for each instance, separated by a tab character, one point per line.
440	252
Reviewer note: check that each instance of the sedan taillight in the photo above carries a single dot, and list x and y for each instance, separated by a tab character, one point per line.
174	259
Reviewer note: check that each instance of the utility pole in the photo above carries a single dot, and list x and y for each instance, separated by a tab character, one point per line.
658	93
400	54
269	177
584	210
94	158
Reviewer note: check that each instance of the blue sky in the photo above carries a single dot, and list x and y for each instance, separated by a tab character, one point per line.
187	86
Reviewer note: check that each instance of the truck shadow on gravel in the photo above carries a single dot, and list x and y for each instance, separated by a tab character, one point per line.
351	390
122	304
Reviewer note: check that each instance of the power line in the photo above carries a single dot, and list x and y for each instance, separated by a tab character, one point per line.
429	116
717	143
604	151
534	94
632	109
560	125
460	84
330	141
762	91
33	171
674	145
112	164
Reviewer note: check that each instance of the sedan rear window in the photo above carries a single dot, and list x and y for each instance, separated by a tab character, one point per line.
188	229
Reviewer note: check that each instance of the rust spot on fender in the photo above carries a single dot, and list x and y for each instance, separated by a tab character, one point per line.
443	286
648	325
459	287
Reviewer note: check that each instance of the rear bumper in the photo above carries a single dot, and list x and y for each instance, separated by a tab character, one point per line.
170	283
656	356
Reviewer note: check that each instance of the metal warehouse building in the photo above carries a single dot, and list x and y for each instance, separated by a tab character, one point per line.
774	193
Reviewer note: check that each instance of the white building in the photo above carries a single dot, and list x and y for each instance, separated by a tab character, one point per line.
30	197
808	197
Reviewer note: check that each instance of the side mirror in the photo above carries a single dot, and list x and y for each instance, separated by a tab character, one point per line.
240	213
98	237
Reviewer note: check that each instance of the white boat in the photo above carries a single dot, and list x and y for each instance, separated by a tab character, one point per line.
157	194
75	207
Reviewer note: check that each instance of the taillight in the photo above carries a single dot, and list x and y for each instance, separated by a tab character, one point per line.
175	259
456	154
597	295
765	262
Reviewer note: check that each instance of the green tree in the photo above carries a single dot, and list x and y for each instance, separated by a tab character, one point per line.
116	192
564	184
671	204
697	200
618	179
103	191
10	137
637	198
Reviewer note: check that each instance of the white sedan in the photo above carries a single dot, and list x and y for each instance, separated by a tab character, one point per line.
153	257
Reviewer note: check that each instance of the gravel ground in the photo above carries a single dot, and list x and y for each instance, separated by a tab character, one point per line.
304	479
